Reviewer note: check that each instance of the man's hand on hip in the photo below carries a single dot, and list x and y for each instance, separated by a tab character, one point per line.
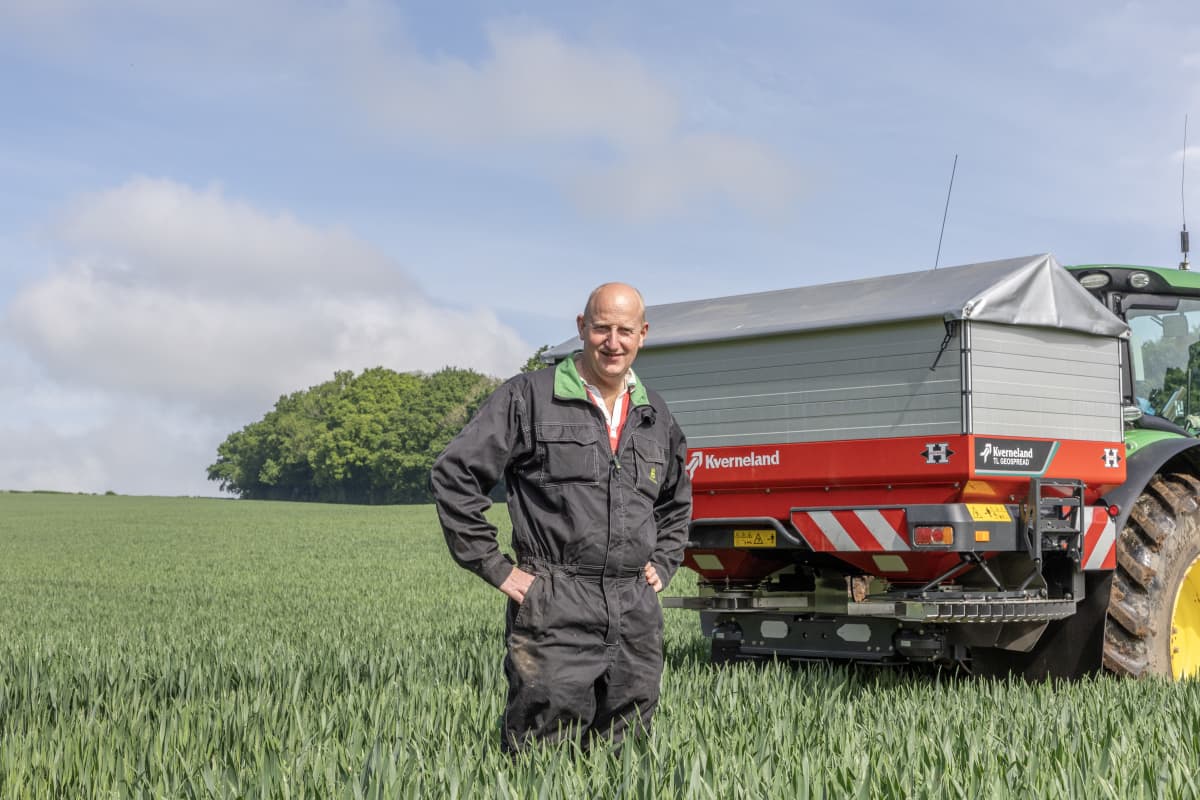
517	584
652	577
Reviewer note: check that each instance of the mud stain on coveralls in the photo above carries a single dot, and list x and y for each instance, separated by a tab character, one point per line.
524	661
522	634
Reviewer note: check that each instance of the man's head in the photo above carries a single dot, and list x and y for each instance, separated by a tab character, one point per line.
613	327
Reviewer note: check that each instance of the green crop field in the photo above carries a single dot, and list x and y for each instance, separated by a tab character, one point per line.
207	648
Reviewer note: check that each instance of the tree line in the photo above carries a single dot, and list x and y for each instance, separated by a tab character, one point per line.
369	438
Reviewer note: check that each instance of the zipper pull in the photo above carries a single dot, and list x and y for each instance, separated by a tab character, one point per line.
616	465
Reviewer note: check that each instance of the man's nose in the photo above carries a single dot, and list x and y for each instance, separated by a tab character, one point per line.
611	340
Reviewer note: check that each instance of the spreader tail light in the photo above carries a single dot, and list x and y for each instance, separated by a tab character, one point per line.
933	536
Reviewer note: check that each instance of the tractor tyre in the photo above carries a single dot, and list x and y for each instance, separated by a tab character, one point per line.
1152	625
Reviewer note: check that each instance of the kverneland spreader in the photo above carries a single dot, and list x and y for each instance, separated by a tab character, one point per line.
991	465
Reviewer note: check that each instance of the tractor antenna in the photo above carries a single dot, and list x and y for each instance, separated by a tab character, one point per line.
946	211
1183	234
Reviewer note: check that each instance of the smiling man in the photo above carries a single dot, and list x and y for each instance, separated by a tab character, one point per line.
600	502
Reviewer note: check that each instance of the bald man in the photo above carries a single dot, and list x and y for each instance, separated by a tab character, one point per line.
600	503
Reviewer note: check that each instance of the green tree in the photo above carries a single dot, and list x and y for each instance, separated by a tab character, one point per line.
365	439
535	361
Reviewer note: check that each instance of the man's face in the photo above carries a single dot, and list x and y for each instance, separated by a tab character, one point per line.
612	334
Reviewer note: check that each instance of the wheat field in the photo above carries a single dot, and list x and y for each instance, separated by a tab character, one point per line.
163	648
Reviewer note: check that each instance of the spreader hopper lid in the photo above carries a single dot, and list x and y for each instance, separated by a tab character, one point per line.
1033	291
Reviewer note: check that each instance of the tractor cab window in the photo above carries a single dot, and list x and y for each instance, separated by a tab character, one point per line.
1166	359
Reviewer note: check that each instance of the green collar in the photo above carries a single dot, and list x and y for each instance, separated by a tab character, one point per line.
568	384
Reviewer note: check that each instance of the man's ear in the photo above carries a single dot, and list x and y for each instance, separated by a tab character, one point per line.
579	326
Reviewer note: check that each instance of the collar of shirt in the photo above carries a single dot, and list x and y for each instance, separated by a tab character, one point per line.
598	396
615	420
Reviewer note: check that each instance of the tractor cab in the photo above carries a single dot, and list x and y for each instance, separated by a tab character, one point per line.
1162	309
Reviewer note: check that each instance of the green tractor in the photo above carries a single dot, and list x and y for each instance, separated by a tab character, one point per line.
1152	620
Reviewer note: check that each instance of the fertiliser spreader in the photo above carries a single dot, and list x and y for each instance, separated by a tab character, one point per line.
990	464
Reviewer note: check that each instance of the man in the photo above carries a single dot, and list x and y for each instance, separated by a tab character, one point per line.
600	504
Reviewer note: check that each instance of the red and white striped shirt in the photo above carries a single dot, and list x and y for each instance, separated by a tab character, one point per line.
614	421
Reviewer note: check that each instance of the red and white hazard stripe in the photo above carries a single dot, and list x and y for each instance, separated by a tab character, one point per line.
885	531
1100	541
854	530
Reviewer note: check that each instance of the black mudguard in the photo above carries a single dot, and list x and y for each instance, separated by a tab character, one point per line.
1068	648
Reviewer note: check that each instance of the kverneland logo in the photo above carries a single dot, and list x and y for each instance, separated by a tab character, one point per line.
1006	455
999	456
699	458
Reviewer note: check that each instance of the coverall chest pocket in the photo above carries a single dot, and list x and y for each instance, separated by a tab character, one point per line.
569	454
650	462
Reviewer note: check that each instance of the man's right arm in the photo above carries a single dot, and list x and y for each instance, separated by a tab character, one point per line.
470	467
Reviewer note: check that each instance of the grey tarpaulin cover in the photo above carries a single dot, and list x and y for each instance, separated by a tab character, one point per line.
1033	290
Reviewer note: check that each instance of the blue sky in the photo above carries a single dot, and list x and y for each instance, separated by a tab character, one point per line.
206	205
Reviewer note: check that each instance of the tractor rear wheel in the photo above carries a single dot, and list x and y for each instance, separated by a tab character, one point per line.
1153	621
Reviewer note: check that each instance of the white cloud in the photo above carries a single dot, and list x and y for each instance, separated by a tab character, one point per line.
129	454
197	308
659	182
92	440
535	87
196	299
564	109
158	233
532	86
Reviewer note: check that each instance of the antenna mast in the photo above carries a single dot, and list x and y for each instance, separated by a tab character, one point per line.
1183	234
946	211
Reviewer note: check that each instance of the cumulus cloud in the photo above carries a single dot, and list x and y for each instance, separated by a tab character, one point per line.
196	299
131	453
531	86
601	109
659	182
176	315
71	438
536	87
161	234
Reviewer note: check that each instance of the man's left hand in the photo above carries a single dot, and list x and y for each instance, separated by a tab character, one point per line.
652	578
